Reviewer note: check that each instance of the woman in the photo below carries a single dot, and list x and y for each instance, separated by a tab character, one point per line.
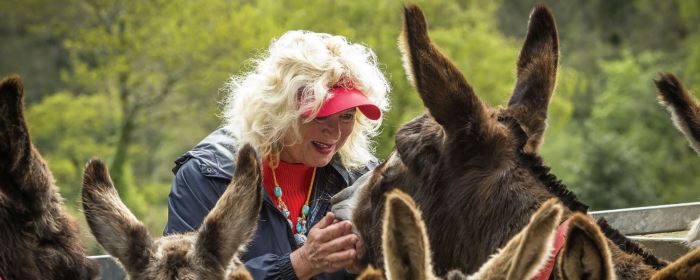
310	106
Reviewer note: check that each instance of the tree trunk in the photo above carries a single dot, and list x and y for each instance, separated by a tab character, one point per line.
119	161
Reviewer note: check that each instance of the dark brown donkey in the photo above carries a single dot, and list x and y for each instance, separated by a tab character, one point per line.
38	240
209	253
407	251
685	112
473	170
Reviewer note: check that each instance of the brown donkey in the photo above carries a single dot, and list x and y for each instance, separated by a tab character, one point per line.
584	255
685	112
38	239
210	253
474	170
407	250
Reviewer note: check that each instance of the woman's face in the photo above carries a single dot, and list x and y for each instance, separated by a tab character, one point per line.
320	139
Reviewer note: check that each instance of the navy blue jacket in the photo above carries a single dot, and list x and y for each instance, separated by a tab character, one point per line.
202	175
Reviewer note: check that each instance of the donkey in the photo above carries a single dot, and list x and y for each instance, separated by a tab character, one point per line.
685	113
210	253
472	169
407	250
39	239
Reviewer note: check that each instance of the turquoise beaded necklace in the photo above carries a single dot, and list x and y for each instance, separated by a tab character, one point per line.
301	227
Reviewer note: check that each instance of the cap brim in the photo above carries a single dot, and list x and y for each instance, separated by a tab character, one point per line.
347	98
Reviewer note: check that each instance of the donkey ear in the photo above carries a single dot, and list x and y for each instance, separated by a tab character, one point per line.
445	92
30	178
14	135
536	76
684	108
523	256
111	222
585	254
371	273
232	221
686	267
536	241
692	238
405	242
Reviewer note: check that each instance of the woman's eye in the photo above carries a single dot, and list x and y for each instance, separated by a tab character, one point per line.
348	116
321	119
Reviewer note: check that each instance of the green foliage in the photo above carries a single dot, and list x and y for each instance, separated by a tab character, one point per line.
631	154
68	130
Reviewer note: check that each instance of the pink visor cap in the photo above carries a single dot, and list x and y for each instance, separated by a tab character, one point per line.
342	99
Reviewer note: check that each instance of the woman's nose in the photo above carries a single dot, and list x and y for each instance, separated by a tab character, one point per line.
332	128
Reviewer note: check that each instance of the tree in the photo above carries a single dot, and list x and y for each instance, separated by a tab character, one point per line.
69	129
633	154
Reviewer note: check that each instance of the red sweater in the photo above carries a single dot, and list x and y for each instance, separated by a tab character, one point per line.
294	179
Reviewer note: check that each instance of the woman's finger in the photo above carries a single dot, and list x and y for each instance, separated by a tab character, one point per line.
334	231
325	221
341	259
338	244
359	247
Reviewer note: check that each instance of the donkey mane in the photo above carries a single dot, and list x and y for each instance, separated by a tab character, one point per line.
542	172
628	245
557	188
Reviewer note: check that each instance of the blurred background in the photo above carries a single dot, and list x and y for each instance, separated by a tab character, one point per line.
138	83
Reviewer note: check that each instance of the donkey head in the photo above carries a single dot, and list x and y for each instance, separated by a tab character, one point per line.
209	253
39	240
407	253
463	161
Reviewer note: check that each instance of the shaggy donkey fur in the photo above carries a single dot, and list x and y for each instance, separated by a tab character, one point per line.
685	112
474	169
686	267
210	253
587	255
38	240
407	250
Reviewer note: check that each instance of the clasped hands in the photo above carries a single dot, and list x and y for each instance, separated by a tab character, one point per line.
330	246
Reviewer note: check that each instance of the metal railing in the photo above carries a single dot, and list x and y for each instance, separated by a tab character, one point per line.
109	268
660	228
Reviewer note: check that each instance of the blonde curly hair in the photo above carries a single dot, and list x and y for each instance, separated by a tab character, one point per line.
294	76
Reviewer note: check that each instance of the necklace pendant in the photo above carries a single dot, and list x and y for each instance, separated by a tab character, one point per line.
301	224
278	192
305	210
300	239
